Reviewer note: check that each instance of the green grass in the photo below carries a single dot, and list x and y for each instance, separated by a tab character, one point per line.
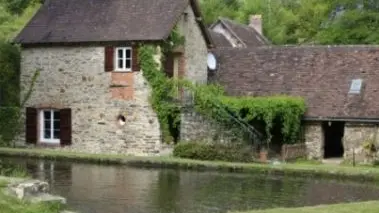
363	207
361	173
10	204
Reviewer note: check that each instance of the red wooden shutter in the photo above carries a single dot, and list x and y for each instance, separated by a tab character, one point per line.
135	60
109	59
169	65
31	125
65	126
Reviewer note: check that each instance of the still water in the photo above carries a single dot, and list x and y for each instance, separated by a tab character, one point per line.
119	189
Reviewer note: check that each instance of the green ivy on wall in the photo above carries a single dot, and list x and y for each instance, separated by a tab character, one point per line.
208	98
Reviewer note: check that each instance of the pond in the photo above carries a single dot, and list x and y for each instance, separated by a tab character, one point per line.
120	189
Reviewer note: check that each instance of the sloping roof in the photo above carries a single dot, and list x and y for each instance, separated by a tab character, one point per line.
321	74
68	21
247	35
219	40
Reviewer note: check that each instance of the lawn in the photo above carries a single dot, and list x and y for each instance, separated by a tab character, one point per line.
368	173
364	207
10	204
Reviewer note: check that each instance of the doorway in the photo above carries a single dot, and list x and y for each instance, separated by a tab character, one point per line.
333	136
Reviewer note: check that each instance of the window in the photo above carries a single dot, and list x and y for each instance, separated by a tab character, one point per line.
50	126
123	59
355	87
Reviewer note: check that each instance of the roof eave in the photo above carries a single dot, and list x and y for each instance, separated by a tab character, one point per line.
196	8
342	119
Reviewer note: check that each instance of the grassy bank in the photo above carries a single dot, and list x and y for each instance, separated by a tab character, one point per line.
363	207
361	173
10	204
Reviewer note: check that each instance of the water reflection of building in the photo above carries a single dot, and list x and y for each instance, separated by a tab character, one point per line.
110	188
55	173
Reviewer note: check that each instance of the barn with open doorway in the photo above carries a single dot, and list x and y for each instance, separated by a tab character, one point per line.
339	85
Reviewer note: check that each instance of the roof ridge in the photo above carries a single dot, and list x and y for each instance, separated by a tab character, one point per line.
232	31
247	27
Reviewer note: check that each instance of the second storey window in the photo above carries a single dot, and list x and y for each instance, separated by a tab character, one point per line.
123	59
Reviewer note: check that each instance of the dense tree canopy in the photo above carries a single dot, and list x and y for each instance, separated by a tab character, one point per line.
305	21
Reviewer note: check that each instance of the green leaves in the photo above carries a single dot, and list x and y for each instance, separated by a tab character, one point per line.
305	21
163	92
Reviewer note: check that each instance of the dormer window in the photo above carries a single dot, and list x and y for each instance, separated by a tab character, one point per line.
123	59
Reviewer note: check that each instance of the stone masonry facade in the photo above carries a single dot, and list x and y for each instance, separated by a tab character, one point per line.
74	77
355	135
192	124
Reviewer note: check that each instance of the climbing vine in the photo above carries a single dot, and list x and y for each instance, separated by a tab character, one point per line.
163	97
211	101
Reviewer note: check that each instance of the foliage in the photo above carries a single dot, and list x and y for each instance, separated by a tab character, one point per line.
210	101
12	20
163	91
213	152
305	21
9	89
286	111
12	170
9	74
283	109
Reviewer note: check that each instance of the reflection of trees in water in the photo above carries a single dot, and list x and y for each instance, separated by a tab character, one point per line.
165	193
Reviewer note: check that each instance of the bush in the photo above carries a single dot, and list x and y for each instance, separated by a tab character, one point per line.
214	152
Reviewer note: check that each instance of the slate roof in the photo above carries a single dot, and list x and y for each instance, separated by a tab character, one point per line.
320	74
68	21
219	40
247	35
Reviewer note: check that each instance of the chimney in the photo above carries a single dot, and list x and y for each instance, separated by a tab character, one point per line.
256	23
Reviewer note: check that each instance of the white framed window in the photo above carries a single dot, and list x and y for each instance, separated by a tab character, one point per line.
123	59
50	126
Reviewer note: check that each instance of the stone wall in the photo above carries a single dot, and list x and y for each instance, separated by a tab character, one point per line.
194	127
354	138
355	135
293	151
195	48
313	138
74	77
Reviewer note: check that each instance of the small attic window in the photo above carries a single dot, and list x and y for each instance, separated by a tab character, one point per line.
356	86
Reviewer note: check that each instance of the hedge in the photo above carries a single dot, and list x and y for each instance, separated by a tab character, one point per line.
213	152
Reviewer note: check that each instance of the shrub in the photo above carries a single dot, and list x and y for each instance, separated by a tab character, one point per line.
214	152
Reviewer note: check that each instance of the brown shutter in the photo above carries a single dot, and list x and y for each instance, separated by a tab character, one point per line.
109	59
169	64
65	126
31	125
135	60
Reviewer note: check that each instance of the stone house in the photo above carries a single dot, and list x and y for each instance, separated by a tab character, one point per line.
338	83
90	95
226	33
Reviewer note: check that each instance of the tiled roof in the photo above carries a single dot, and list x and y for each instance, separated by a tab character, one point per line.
247	35
61	21
219	40
321	74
